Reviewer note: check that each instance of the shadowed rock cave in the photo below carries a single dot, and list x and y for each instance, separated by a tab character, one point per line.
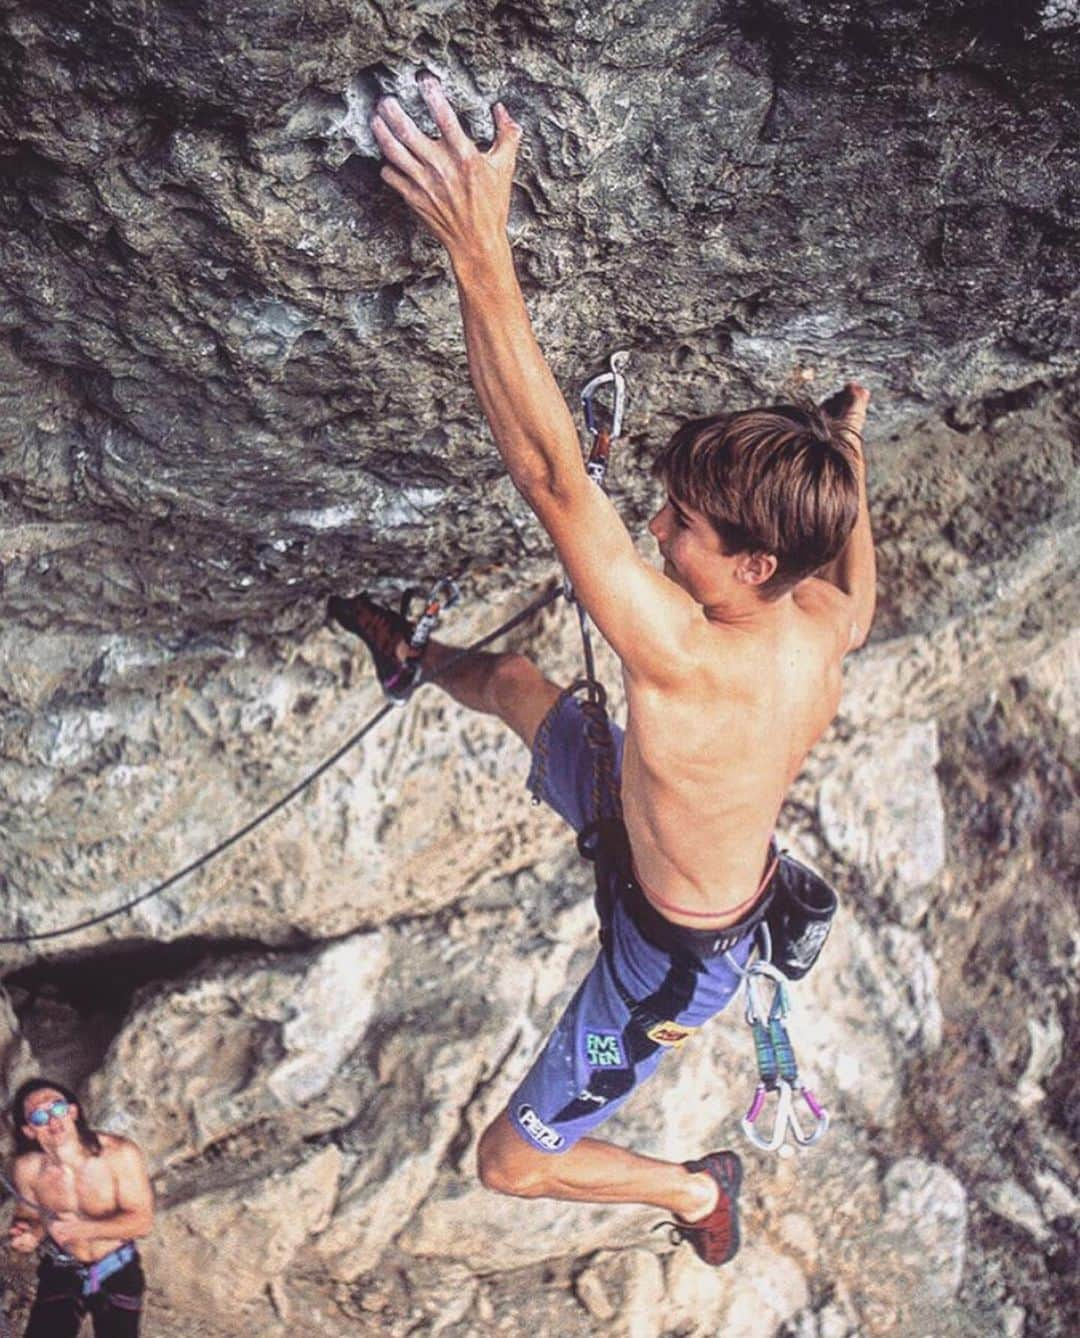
233	379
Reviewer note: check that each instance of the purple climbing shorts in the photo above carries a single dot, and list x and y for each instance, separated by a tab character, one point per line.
651	985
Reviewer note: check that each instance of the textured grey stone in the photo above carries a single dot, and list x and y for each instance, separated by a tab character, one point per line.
232	378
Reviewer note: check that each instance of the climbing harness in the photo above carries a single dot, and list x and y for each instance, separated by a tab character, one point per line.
444	594
778	1071
93	1275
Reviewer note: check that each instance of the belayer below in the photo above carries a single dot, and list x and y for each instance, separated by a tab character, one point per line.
731	662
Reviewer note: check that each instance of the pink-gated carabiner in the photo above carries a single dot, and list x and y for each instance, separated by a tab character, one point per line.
821	1119
773	1141
785	1118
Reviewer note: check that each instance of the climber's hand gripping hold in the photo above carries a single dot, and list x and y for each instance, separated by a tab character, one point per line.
461	194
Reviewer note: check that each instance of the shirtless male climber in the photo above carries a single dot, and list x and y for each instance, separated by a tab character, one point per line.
84	1196
732	652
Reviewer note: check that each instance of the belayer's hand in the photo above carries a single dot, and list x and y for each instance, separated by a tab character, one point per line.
460	194
68	1230
22	1236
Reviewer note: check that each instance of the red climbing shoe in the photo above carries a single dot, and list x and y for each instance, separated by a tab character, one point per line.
716	1237
382	631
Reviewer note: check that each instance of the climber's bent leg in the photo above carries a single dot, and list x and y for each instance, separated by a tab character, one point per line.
591	1171
507	685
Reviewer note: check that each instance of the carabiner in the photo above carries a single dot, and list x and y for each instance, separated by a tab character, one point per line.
785	1117
780	1124
615	378
821	1119
780	1006
597	460
444	594
596	464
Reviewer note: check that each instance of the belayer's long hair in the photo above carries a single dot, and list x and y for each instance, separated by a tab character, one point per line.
87	1137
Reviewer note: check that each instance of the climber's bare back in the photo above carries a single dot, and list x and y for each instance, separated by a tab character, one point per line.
709	759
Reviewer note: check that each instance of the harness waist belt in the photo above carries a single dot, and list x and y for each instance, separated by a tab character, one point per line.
702	943
93	1275
608	844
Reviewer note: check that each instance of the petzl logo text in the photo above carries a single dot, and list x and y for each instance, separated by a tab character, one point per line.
538	1131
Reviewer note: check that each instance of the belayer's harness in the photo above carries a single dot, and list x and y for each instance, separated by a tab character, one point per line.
93	1275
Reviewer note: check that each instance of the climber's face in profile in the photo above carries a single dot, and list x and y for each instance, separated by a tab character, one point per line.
689	546
696	560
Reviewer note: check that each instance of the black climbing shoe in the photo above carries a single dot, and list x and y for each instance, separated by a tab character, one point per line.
382	631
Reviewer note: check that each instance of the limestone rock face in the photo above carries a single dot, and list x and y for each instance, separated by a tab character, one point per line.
232	379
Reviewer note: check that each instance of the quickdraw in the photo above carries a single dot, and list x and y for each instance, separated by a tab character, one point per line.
444	594
596	466
777	1069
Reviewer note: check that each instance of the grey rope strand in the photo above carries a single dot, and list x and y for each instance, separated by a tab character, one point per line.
91	920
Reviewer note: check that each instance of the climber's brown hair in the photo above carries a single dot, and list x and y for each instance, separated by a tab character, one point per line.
782	480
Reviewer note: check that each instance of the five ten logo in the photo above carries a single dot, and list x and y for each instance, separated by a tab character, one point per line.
603	1051
535	1127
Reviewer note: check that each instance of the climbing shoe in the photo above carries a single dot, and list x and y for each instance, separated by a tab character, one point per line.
382	631
716	1237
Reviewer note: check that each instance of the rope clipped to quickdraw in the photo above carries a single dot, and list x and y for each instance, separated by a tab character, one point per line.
778	1071
399	689
444	594
596	466
606	803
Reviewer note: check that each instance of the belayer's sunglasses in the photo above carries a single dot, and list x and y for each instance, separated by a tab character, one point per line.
40	1117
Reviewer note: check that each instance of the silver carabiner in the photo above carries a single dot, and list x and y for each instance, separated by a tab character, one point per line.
615	378
821	1119
785	1117
781	1122
754	973
444	594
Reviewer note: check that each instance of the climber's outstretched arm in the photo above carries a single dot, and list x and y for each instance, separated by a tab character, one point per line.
854	571
463	196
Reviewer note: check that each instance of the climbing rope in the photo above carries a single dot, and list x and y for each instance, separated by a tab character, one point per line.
400	689
91	921
48	1245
